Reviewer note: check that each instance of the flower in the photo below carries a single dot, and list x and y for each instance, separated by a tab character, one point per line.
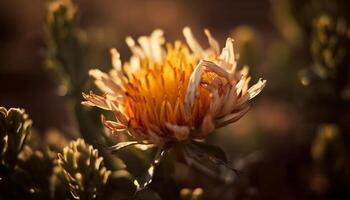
173	92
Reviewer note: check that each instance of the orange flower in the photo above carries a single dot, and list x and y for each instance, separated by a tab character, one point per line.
169	93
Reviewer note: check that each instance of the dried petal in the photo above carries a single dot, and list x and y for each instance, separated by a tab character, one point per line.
213	43
256	89
193	43
180	132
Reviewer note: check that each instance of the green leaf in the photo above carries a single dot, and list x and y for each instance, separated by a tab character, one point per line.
213	151
201	154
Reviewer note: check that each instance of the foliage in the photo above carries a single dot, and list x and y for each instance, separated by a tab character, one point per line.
66	46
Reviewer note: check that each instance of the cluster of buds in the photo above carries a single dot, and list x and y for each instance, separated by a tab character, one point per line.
83	170
14	129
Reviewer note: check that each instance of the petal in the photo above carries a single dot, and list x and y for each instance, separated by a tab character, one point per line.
244	71
118	112
230	118
97	74
145	45
157	40
152	45
180	132
96	100
113	86
207	126
136	50
252	92
242	85
192	43
256	89
246	85
227	57
133	66
213	43
229	101
193	84
216	103
154	138
112	125
216	69
116	62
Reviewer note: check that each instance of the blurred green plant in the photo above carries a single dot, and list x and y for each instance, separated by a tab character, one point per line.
294	18
329	43
330	161
329	48
285	21
66	46
328	148
22	177
14	129
83	170
317	34
34	174
40	181
68	52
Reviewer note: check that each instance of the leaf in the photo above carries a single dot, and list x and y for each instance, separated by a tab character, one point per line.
214	151
142	182
202	152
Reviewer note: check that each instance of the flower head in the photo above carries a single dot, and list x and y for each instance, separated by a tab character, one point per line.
173	92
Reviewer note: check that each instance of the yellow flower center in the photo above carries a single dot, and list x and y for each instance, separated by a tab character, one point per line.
155	93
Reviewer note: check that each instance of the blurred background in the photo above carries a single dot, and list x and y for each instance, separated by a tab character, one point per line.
293	144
